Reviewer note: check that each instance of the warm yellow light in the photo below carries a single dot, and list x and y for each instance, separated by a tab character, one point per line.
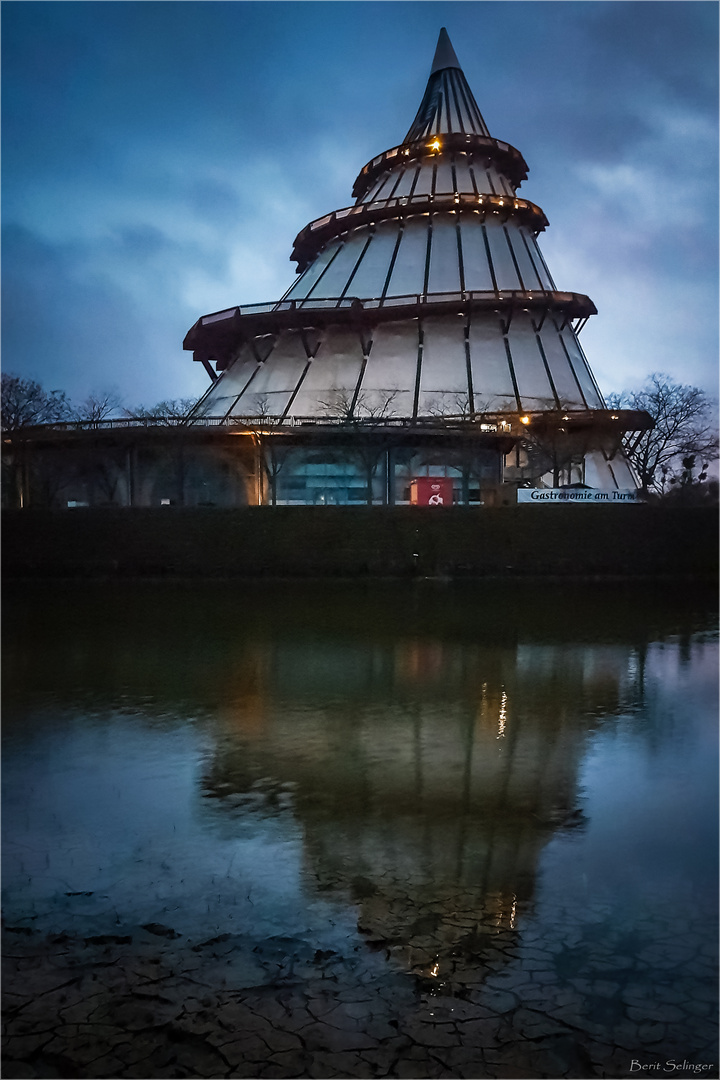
435	144
524	419
502	717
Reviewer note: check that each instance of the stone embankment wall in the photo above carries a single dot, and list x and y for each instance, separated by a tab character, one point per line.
633	541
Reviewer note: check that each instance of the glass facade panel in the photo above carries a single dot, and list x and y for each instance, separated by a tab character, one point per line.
215	404
374	189
500	180
479	174
281	373
406	181
582	371
505	271
384	188
339	478
329	387
370	276
409	270
537	258
493	181
602	473
443	178
562	375
528	274
388	385
307	280
622	473
262	403
443	373
334	281
475	261
223	393
424	184
243	373
532	379
463	177
444	262
492	383
458	113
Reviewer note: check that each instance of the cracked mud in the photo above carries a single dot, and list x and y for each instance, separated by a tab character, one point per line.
146	1002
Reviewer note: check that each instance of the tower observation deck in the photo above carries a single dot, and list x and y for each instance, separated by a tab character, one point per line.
425	307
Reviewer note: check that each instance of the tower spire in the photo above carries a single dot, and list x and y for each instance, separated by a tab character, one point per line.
444	54
448	105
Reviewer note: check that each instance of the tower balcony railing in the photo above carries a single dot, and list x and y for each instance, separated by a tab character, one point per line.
316	234
216	337
509	160
426	300
494	422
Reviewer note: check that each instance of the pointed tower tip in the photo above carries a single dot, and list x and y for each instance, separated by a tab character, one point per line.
444	54
448	104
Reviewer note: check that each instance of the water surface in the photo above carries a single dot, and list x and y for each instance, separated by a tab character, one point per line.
506	792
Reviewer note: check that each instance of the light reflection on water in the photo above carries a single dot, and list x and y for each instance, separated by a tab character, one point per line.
414	767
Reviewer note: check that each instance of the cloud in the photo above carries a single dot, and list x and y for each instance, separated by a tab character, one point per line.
214	201
159	159
81	328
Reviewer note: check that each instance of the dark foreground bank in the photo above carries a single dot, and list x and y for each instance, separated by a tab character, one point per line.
307	541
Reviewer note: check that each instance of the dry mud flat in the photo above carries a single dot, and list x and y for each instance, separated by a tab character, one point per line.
146	1002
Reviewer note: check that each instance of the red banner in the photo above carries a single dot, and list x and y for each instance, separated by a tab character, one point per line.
431	491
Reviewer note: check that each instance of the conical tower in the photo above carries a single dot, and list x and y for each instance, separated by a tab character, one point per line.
425	313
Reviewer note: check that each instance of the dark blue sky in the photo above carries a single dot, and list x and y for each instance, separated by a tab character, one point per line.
159	159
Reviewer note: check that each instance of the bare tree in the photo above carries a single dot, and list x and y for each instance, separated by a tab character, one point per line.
683	429
451	406
378	409
339	406
171	412
363	409
25	402
98	405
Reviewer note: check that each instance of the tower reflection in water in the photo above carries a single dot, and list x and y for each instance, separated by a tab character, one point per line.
428	773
